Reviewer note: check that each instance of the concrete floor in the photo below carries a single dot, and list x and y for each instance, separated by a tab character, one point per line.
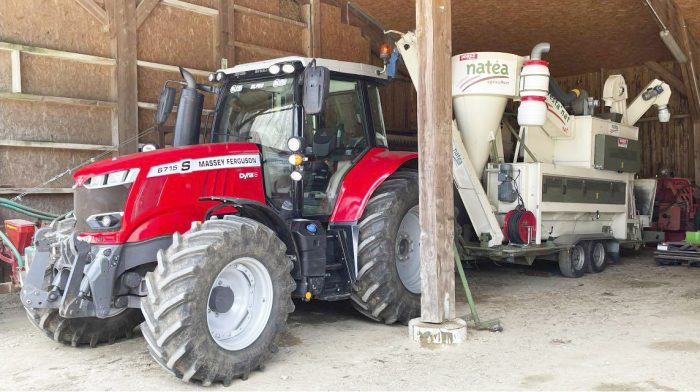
636	326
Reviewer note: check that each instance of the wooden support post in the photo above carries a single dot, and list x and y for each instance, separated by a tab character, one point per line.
124	83
226	51
16	70
433	27
315	27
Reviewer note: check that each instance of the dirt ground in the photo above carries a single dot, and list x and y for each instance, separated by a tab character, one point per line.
635	326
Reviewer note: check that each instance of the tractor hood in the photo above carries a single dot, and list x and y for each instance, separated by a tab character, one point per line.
170	160
152	194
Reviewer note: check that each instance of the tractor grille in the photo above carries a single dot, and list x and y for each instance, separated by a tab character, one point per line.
98	201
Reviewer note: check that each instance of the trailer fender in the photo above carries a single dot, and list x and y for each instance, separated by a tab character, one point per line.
612	245
365	177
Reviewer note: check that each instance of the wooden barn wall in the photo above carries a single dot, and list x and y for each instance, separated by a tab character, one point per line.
664	146
59	96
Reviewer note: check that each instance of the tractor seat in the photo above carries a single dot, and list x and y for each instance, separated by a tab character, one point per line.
325	142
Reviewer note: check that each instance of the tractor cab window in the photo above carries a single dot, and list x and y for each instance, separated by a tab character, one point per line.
375	106
337	136
262	112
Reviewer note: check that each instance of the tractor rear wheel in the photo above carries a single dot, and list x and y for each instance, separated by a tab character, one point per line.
218	300
388	283
85	330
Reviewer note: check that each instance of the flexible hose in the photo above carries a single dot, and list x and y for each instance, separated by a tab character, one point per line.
13	249
14	206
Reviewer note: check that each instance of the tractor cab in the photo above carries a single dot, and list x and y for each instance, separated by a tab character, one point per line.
306	151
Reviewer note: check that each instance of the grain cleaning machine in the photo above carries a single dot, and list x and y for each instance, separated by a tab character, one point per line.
568	194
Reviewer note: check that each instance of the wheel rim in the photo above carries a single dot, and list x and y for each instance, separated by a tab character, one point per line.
578	259
407	251
598	254
239	303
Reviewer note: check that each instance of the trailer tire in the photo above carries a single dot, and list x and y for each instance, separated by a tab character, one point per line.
200	333
379	291
573	262
597	257
85	330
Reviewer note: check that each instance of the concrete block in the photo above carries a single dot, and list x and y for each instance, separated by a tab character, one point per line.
449	332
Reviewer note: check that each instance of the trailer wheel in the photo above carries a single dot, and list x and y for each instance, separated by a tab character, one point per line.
218	300
388	283
597	257
573	262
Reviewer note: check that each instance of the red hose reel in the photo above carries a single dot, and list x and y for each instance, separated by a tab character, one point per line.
520	226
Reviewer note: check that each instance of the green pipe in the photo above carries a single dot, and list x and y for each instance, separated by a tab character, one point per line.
20	260
31	214
9	204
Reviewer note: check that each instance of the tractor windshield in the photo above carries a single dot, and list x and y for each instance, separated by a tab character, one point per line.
259	111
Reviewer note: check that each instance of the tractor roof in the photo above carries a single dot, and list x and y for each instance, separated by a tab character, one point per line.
333	65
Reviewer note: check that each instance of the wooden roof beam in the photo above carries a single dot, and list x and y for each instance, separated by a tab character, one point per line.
668	77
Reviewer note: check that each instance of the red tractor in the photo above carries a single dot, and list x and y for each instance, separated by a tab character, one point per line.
293	194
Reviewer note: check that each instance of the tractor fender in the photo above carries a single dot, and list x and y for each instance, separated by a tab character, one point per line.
365	177
259	212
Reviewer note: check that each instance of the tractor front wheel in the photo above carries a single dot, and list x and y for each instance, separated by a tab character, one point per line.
218	300
388	284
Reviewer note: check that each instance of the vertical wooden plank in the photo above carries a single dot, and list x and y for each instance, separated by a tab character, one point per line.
225	49
124	83
433	27
315	27
16	65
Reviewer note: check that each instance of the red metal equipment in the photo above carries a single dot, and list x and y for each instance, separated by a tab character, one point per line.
674	208
20	233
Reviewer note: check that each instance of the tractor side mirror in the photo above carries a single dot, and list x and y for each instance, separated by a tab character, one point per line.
317	82
165	104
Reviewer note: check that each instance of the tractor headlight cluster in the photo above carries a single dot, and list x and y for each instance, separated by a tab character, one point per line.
110	220
286	68
112	179
217	77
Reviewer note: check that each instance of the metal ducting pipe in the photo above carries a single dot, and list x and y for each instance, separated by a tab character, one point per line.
539	50
565	98
189	112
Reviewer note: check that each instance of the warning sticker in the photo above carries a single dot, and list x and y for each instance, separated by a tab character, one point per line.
211	163
622	142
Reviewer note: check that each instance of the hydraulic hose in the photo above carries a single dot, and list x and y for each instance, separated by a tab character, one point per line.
13	249
14	206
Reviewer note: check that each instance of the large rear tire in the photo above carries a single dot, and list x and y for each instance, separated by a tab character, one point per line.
387	288
218	300
86	330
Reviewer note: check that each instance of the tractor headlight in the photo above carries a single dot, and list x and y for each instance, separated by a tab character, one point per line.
296	175
110	220
295	144
112	179
288	68
274	69
220	76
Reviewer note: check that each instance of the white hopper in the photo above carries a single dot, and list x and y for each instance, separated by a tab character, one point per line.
482	83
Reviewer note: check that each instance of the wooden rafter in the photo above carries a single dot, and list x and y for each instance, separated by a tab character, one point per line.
95	10
143	10
668	77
